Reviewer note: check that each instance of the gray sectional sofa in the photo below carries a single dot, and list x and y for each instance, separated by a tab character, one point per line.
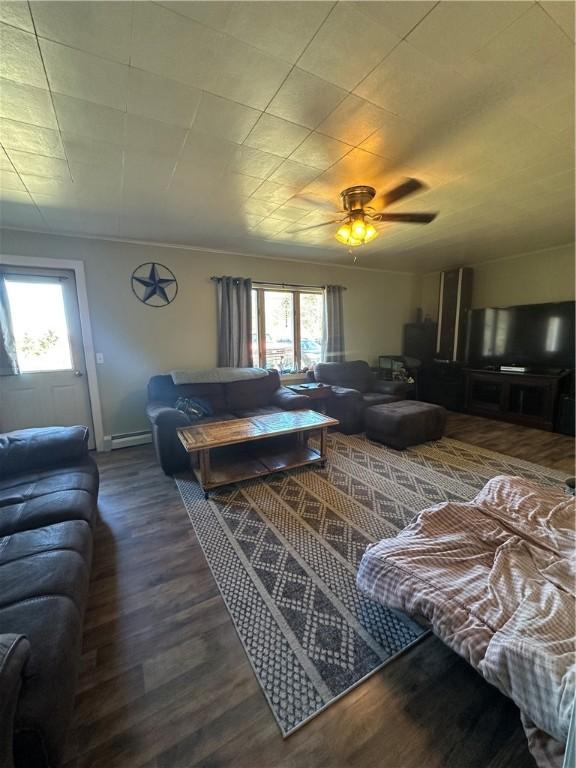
48	499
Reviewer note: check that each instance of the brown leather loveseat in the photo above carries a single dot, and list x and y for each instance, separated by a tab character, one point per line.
230	400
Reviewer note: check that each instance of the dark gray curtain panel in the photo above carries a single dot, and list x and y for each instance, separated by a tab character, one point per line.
333	341
8	359
234	298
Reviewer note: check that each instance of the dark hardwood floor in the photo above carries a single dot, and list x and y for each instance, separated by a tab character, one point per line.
547	448
166	683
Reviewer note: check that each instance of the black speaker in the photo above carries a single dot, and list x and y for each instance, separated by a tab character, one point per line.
443	384
420	341
566	415
454	302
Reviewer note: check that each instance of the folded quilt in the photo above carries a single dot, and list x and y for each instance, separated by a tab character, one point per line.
495	578
217	375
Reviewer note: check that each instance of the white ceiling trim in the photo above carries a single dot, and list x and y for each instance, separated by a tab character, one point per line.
520	255
200	249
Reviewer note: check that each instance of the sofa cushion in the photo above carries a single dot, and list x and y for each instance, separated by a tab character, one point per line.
345	393
53	625
44	575
162	389
254	393
249	412
48	509
54	570
14	655
355	374
82	476
71	536
29	449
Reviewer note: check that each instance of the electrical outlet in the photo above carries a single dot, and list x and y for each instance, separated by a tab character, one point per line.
99	358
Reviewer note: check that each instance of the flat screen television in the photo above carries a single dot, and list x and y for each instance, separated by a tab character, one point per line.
535	336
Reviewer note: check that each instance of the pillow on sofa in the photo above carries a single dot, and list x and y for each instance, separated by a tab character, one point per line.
194	408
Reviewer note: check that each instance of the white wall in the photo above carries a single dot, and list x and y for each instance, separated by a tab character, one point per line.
139	341
528	278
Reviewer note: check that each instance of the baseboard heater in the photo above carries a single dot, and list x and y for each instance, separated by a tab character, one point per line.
126	440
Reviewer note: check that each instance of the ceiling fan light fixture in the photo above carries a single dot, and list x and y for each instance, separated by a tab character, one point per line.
356	232
343	233
371	233
359	228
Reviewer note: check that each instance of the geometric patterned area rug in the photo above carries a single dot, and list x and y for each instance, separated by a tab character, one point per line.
284	551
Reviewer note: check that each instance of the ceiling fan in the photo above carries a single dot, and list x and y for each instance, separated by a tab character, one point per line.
357	223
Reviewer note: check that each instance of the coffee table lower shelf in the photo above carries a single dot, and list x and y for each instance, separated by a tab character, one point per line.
218	474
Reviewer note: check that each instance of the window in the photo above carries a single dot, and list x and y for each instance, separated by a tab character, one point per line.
287	327
40	327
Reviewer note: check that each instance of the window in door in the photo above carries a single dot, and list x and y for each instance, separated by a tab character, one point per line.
287	327
40	327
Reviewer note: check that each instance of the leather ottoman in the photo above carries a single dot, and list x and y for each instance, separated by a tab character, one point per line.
407	422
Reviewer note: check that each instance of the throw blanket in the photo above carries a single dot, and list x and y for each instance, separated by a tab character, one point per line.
495	579
217	375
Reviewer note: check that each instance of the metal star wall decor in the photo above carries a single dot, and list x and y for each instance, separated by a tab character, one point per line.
154	284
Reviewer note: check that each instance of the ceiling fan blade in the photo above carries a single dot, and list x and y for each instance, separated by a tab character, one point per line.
317	202
407	218
314	226
407	187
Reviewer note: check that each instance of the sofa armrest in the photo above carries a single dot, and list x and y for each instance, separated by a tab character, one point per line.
163	415
288	400
345	393
14	654
29	449
397	388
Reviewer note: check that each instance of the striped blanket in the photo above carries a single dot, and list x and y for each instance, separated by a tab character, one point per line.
495	579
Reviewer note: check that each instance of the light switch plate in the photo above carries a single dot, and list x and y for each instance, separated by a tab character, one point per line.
100	358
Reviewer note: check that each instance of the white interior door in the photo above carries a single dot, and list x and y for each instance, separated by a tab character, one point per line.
51	388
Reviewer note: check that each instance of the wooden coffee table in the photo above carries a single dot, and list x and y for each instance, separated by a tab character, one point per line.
258	460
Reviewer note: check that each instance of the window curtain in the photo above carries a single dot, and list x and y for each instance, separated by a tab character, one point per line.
8	359
234	301
333	338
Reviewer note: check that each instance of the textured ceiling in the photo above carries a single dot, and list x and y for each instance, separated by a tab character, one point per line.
206	123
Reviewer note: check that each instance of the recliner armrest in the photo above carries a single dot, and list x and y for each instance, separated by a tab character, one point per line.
288	400
345	393
29	449
397	388
163	415
14	654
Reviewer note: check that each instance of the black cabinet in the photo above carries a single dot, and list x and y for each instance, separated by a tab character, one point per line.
522	398
566	421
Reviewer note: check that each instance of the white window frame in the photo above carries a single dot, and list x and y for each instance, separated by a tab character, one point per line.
260	289
22	277
77	267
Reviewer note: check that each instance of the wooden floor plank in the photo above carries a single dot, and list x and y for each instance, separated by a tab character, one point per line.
165	682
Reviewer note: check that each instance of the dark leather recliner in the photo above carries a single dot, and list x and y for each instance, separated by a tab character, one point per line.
232	400
354	388
48	494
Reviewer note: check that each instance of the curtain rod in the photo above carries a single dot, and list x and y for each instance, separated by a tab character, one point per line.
216	278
